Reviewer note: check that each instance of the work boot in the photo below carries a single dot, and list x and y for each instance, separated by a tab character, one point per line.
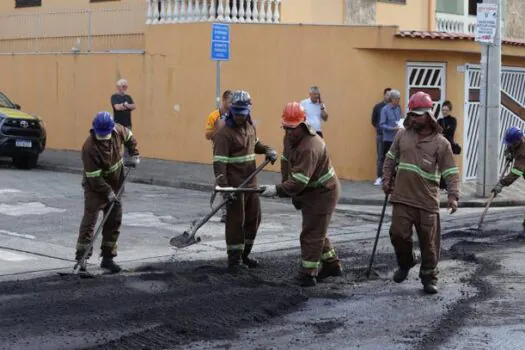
330	270
304	280
83	266
251	263
237	267
223	218
430	288
400	275
521	235
235	262
109	264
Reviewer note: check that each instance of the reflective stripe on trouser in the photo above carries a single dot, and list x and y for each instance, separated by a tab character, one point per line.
315	244
428	229
93	204
243	218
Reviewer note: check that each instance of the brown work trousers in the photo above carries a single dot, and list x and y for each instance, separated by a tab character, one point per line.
428	230
316	248
93	204
243	217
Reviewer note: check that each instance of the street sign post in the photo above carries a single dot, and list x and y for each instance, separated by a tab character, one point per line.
488	34
220	51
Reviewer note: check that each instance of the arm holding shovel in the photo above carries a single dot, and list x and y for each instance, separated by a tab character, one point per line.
450	172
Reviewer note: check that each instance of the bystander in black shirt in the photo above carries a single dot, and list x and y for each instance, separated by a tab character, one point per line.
376	115
449	125
121	117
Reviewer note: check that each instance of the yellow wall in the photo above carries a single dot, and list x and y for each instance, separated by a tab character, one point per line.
414	15
174	86
312	11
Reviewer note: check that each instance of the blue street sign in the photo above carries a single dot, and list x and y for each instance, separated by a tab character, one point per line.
220	42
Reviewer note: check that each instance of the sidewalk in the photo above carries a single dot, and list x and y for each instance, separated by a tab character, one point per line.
199	177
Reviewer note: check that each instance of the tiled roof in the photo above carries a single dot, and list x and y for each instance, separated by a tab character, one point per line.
449	36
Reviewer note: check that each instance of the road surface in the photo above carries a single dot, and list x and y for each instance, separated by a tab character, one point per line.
185	299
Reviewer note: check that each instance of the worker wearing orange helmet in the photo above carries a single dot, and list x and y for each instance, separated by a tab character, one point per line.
422	156
309	178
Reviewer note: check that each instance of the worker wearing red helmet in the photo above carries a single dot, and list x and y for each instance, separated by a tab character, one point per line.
309	178
515	152
422	155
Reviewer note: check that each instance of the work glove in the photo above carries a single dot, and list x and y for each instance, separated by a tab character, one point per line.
452	204
271	155
132	162
387	188
508	156
269	191
112	198
497	189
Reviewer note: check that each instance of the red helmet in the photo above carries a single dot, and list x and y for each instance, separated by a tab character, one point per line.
420	103
293	115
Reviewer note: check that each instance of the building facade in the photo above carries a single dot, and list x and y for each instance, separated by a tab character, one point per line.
65	68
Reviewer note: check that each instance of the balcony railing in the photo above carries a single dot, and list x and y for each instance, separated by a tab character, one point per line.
449	23
236	11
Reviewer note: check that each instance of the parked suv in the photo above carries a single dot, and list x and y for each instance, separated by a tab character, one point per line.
22	136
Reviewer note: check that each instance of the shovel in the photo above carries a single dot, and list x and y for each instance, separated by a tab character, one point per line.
188	237
82	260
377	239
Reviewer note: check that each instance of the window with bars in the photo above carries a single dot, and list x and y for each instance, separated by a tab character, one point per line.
27	3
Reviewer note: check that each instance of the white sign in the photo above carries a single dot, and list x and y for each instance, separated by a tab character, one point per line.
486	23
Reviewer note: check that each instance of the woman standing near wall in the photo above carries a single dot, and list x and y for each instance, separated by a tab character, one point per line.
449	124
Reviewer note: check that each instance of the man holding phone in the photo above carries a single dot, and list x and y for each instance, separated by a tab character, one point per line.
315	110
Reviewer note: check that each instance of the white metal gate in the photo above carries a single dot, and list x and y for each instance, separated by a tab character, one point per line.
512	112
429	77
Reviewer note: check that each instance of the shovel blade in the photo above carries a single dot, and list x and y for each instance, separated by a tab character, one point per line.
184	240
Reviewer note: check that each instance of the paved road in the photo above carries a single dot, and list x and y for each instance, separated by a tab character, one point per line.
184	299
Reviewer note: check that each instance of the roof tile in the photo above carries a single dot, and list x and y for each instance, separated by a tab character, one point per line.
450	36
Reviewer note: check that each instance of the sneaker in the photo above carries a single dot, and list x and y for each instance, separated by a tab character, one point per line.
333	270
251	263
378	182
430	288
109	264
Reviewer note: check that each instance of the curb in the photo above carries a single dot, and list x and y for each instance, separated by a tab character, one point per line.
204	187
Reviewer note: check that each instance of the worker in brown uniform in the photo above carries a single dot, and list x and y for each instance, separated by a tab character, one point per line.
515	152
309	178
234	149
102	156
422	155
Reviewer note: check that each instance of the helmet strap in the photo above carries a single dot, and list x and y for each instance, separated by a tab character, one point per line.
107	137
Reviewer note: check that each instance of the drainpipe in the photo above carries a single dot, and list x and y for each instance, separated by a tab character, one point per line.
431	15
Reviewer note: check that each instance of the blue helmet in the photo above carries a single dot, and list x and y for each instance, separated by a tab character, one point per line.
103	123
241	103
512	135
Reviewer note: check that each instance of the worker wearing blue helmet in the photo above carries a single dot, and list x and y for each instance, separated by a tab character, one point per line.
102	156
515	152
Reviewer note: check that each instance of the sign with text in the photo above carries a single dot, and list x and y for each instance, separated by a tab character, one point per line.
220	42
486	23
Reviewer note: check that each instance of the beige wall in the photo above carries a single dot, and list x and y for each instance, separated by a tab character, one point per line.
414	15
9	5
174	86
312	11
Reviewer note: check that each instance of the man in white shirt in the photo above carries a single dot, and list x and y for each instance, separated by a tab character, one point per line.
315	110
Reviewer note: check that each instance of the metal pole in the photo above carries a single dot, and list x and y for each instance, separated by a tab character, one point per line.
218	85
490	99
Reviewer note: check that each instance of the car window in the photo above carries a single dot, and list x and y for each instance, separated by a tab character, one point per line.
6	102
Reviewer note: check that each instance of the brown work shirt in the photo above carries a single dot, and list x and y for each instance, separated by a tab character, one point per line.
103	160
308	175
420	165
518	168
234	151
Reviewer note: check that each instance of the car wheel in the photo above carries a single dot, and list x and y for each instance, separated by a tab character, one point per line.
25	161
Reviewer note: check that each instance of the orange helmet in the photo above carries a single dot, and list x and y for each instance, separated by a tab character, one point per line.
420	103
293	115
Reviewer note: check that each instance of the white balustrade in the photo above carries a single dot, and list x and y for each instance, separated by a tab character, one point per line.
450	23
238	11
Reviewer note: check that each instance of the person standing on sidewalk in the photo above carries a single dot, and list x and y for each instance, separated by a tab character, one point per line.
376	119
102	156
214	122
122	104
421	155
390	117
234	150
315	110
515	151
448	123
311	181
